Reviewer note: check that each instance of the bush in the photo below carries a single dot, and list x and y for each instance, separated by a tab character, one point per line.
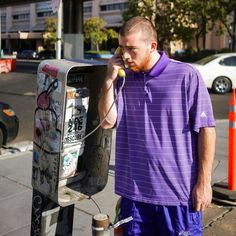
191	55
101	55
224	50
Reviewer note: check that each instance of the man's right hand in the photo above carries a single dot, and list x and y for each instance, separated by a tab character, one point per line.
113	66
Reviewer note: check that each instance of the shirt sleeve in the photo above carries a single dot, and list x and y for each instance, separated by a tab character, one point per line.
200	107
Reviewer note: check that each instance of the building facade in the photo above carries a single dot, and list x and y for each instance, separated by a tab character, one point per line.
23	26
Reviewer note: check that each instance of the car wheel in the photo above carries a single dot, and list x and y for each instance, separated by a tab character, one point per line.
221	85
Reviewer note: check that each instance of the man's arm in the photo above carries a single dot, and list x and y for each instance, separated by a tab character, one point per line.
202	192
107	94
105	102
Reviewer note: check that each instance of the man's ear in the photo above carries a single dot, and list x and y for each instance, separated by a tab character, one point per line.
153	46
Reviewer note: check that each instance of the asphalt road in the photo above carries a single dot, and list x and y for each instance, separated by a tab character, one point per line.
18	89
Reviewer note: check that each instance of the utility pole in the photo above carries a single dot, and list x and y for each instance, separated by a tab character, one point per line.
0	34
59	31
57	7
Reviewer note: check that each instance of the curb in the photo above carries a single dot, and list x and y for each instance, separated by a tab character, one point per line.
19	147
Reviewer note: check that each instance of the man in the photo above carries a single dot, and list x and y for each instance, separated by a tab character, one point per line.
165	136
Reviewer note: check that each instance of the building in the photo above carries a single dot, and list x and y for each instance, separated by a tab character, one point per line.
23	26
109	10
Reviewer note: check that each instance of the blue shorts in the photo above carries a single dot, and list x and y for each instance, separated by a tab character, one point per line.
158	220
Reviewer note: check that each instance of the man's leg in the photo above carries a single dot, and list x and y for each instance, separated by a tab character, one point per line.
144	219
179	221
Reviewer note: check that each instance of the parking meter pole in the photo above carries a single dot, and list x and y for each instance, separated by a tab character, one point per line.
101	225
48	218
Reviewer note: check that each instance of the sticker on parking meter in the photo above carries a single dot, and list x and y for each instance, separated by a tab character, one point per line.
75	116
69	163
75	128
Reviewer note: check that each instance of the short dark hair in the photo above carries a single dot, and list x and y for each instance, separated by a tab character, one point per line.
139	23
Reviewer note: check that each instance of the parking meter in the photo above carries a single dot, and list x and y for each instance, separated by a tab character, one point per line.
70	161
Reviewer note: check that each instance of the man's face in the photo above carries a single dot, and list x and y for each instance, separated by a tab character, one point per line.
136	51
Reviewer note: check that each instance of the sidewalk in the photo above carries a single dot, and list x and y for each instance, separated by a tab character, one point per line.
16	196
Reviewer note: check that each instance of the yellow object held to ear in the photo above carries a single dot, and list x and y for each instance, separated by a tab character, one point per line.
121	72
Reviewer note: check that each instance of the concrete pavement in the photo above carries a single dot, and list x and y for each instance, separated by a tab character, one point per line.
16	194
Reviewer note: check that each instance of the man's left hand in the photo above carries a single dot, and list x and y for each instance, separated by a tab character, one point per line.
202	196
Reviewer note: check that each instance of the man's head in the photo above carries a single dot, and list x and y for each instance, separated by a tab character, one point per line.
138	41
139	23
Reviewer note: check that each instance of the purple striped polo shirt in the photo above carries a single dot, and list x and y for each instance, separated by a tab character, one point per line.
159	116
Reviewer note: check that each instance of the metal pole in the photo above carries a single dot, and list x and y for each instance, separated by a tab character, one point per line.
59	31
48	218
0	34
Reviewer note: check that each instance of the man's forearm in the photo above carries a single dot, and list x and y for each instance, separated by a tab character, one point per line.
105	103
202	191
206	153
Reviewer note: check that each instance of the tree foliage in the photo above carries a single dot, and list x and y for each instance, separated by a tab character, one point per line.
183	19
167	16
50	31
96	33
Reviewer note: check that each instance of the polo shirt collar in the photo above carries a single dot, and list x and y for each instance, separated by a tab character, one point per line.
159	66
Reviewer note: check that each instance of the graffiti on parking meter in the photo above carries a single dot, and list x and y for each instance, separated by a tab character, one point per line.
75	125
47	134
76	115
60	125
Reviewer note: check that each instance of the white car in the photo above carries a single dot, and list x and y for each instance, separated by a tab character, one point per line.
218	71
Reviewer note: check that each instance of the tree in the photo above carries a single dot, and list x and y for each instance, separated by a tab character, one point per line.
50	32
184	19
96	33
167	16
206	15
227	17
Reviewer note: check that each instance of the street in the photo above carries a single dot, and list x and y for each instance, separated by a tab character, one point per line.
18	89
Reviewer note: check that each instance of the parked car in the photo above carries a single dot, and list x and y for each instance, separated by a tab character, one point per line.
27	54
218	71
9	124
47	54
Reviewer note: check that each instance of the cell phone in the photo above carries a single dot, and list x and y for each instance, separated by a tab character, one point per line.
121	72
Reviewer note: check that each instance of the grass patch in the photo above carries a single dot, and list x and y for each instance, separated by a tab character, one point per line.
96	52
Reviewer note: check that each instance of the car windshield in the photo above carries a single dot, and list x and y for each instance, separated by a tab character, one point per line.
206	60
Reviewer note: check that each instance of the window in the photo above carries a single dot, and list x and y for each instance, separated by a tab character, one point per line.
44	14
115	6
3	18
21	16
88	9
44	9
229	61
43	6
